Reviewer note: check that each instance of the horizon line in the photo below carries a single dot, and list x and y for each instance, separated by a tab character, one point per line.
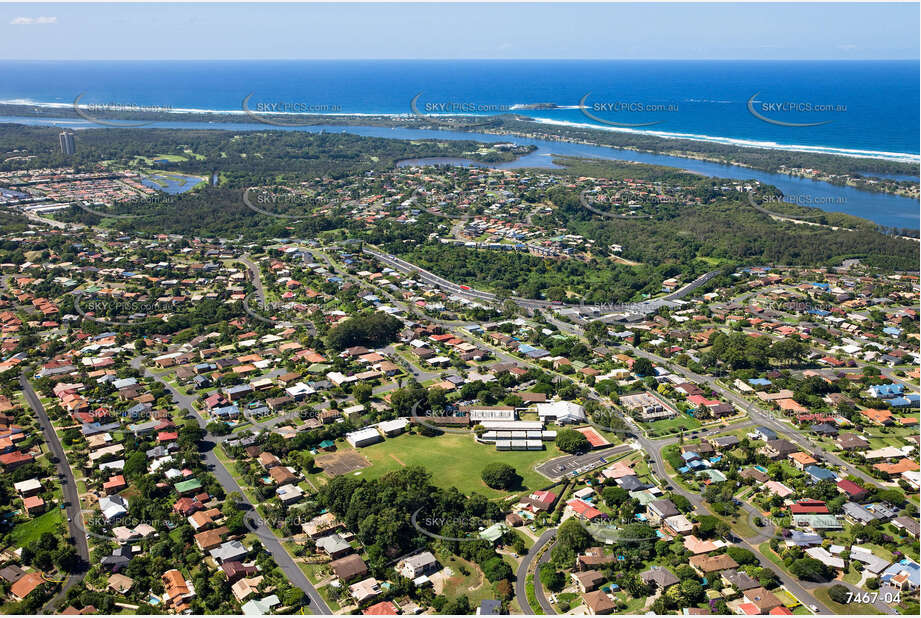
462	59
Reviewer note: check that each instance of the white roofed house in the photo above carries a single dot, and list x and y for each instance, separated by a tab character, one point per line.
289	493
416	566
229	551
365	590
561	412
678	524
113	507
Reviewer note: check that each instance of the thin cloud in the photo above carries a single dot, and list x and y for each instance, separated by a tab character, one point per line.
31	21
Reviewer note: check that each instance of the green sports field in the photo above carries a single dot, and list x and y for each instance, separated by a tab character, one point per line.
454	461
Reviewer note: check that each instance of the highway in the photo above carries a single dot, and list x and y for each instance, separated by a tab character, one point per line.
654	448
641	308
70	493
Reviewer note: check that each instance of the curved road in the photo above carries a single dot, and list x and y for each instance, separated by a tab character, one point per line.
522	574
539	587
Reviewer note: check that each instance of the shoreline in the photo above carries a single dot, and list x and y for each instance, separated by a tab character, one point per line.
401	119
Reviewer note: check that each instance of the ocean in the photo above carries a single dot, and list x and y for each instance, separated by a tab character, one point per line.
865	108
709	113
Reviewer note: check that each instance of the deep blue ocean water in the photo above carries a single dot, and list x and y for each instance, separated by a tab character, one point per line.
868	107
879	115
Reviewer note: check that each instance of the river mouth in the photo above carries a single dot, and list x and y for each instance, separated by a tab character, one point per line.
884	209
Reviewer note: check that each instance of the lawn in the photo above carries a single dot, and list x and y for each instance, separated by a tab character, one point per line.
851	608
473	585
671	425
633	605
454	461
765	549
532	597
27	532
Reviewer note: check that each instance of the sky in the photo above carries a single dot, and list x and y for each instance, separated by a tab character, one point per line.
212	31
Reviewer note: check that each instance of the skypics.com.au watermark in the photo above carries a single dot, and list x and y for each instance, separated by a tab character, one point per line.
92	111
123	529
273	313
427	524
805	200
604	111
455	114
153	201
279	112
611	533
277	202
117	312
773	112
422	419
591	206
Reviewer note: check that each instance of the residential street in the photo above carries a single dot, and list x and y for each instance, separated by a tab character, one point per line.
69	487
271	543
521	575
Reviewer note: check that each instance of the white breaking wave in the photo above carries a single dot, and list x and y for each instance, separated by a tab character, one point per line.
729	141
732	141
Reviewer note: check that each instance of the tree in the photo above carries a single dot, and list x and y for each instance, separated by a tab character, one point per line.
681	503
643	367
839	594
742	555
614	495
375	330
293	596
810	569
710	526
136	465
571	441
500	476
496	569
691	591
893	496
553	580
362	393
571	539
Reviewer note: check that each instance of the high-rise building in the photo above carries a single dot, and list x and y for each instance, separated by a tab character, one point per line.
68	146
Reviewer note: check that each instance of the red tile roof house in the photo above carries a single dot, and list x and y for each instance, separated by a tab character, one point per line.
114	484
585	510
167	436
25	585
186	506
541	500
384	608
852	489
809	507
11	461
33	504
